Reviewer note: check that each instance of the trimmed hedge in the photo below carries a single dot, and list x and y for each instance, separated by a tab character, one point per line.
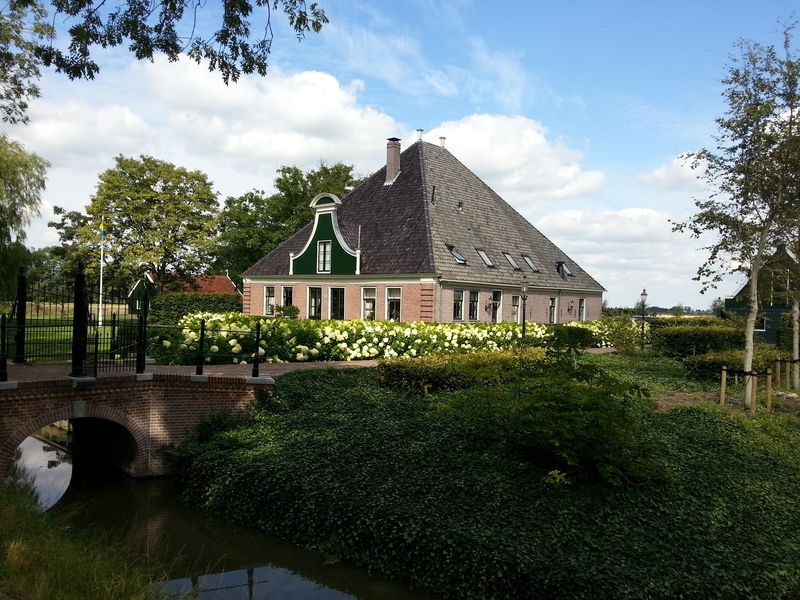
435	372
686	340
663	322
710	364
168	309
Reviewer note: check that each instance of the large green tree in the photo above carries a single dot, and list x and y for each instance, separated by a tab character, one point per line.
750	172
253	224
157	217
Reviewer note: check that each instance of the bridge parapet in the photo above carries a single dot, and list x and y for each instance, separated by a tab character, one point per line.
160	410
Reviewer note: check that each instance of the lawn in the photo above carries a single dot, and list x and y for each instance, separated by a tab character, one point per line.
472	494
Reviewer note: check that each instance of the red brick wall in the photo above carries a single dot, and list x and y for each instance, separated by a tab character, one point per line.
159	413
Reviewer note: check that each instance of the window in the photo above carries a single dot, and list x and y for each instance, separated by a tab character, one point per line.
314	303
485	258
515	309
760	324
551	311
511	261
393	303
530	263
497	297
582	309
324	257
337	304
473	305
368	304
269	301
287	295
458	305
456	254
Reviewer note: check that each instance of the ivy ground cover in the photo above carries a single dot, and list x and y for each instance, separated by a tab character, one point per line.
399	482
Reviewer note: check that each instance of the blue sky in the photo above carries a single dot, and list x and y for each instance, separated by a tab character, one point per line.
574	112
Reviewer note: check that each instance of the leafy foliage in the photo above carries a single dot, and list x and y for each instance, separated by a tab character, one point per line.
170	308
710	364
662	322
406	486
690	340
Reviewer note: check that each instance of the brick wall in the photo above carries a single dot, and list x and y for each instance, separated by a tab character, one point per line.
159	413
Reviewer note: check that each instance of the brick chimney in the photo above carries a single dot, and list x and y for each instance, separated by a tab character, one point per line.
392	160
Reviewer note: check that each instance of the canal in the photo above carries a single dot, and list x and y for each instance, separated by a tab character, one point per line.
204	557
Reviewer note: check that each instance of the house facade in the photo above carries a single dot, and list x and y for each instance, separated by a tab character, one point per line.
422	239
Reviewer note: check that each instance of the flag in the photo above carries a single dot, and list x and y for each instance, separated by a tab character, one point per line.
101	231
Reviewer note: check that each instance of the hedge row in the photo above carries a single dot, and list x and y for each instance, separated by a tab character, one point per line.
691	340
665	322
710	364
171	308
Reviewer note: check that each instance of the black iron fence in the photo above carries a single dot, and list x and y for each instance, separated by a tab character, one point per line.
96	331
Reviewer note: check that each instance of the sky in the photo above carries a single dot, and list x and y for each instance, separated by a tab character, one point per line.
576	113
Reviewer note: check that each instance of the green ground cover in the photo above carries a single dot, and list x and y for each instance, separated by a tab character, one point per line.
476	493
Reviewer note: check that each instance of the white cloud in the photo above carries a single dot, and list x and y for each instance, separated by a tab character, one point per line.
516	159
676	174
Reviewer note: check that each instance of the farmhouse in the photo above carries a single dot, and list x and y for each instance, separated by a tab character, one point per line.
422	239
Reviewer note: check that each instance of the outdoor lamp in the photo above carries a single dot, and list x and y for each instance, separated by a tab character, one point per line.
643	296
524	289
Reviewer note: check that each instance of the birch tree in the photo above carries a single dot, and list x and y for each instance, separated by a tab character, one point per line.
748	172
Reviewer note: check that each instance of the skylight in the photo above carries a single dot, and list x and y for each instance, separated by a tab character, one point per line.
485	258
460	259
530	263
511	261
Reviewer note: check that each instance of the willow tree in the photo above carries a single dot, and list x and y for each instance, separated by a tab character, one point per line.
749	173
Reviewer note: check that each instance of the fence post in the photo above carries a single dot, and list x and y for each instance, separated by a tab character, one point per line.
80	324
776	369
201	347
141	334
22	309
769	390
258	347
723	385
3	348
754	392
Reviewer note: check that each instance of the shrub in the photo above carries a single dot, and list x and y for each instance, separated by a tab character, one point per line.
571	338
436	372
710	364
169	309
662	322
784	333
621	332
688	340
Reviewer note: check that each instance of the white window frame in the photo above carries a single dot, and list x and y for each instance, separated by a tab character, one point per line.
269	308
308	301
324	256
516	304
529	261
330	301
477	306
460	317
386	302
375	299
552	310
283	295
581	309
514	264
499	314
485	257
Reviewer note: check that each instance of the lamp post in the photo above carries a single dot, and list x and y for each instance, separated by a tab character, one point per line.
524	296
643	297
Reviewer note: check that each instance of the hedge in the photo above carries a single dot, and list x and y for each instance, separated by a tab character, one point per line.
710	364
169	309
687	340
664	322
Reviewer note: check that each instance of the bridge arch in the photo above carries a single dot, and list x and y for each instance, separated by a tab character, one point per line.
138	464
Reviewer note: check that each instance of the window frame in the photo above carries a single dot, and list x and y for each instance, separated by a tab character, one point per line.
552	310
374	304
330	303
581	309
308	302
532	265
321	257
497	306
516	304
284	289
269	307
476	304
485	258
512	261
460	316
399	299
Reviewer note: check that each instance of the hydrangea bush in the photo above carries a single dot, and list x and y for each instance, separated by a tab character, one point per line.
230	337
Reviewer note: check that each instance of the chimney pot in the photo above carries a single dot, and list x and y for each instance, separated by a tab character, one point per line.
392	159
419	134
441	141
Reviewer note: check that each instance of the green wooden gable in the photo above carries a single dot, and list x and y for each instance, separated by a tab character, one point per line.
326	238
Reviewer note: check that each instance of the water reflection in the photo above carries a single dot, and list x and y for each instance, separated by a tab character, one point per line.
205	557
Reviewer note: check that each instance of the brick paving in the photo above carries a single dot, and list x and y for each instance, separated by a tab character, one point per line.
60	371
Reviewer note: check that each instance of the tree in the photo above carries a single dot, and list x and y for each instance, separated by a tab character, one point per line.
253	224
22	27
750	172
157	217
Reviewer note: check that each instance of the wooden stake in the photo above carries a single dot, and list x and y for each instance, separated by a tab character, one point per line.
769	390
723	384
754	392
787	367
777	370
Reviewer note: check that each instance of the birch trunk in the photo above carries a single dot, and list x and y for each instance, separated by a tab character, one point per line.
753	314
795	344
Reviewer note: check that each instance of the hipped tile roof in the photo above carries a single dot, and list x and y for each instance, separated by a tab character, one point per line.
436	203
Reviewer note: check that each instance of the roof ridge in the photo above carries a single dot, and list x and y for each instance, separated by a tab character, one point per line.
426	212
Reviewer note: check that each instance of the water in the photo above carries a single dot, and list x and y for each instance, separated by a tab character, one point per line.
204	556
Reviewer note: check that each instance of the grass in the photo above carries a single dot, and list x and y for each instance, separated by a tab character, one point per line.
42	558
400	484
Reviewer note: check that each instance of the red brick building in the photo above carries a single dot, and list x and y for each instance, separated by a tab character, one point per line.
422	239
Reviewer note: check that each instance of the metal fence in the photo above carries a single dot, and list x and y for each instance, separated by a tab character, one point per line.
96	332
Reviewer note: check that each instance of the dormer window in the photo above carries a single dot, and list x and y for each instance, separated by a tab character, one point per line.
460	259
562	268
530	263
511	261
485	258
324	256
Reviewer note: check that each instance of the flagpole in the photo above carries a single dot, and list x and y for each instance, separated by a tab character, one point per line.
102	251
